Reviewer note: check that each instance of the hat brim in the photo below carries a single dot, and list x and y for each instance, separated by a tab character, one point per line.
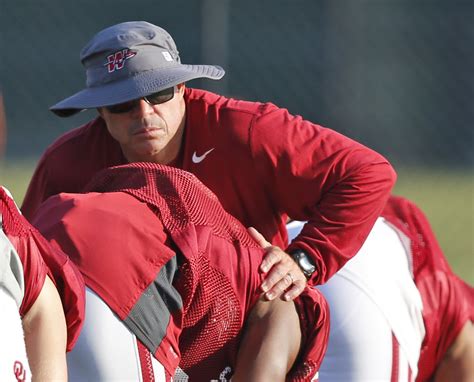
131	88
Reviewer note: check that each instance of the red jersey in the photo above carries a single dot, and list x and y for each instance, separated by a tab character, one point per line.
132	251
39	258
34	268
264	165
448	302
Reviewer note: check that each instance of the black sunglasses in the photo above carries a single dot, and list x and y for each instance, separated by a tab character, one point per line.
152	99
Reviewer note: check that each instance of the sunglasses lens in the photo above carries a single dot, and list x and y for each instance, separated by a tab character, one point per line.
160	97
122	107
153	99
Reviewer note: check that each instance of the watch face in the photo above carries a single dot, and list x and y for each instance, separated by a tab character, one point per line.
304	262
306	265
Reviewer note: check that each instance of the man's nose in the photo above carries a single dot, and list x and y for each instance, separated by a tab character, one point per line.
143	108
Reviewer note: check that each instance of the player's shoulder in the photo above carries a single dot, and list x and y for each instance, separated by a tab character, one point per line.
405	215
7	203
5	193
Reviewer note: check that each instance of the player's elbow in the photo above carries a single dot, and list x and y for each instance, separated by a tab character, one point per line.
391	175
384	174
457	364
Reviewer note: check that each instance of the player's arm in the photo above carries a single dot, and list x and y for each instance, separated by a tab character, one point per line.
45	336
270	344
457	364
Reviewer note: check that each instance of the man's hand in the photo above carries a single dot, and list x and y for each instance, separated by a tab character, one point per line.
283	274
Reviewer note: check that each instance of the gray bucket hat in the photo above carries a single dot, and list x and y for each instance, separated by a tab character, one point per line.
129	61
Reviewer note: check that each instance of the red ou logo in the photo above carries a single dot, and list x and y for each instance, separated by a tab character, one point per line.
19	371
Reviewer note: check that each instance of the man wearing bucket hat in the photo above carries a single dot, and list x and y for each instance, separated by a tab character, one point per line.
263	163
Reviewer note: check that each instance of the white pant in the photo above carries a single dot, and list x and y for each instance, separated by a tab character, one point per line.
360	337
106	350
374	306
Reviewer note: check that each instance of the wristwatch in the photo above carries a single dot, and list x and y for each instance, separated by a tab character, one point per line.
305	263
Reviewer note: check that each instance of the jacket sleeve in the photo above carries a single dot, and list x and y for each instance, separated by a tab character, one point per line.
317	175
65	168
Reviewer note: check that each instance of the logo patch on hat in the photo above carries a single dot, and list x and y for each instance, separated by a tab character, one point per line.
167	56
116	61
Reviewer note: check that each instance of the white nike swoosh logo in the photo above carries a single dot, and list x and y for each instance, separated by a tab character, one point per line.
200	158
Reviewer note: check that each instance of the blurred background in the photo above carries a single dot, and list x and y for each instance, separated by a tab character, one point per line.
396	75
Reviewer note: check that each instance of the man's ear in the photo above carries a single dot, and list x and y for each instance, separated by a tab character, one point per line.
180	88
100	111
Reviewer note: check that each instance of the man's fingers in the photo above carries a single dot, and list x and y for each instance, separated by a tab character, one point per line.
274	256
287	288
277	275
283	274
294	292
258	237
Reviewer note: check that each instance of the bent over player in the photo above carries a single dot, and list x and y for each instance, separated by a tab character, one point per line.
172	280
419	312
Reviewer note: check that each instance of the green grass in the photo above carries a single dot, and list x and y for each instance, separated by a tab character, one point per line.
15	176
446	197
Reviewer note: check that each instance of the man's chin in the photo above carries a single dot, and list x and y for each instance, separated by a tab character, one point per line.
147	153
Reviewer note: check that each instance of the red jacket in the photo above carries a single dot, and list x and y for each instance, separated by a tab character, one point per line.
263	163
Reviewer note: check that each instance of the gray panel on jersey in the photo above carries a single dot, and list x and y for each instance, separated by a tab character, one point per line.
11	269
150	316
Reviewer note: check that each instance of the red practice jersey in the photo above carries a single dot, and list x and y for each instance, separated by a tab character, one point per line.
263	164
146	230
39	258
448	302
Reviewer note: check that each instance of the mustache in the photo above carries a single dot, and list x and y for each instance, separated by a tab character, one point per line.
148	123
